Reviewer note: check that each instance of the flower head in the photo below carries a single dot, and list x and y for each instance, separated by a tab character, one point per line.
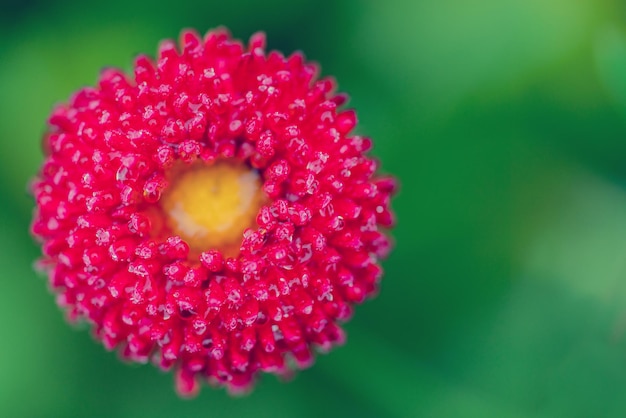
211	213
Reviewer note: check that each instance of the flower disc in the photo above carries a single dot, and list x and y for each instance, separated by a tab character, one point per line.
212	212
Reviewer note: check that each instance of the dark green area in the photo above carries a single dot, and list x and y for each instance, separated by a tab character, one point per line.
505	121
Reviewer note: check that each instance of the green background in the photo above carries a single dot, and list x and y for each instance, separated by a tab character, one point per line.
505	121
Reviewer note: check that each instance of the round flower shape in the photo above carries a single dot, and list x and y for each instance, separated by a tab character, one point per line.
211	213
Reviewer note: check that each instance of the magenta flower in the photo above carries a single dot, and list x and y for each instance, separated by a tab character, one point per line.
213	212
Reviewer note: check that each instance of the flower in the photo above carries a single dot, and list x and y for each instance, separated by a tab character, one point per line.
213	213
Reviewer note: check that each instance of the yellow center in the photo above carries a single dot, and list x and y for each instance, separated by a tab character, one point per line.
209	206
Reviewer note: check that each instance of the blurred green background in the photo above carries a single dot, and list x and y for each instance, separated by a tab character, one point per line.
505	121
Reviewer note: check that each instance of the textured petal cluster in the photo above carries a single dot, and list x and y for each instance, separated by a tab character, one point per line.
313	253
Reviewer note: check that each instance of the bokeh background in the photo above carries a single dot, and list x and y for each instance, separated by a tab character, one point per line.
505	121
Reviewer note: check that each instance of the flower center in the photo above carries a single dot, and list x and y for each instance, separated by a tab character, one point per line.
209	206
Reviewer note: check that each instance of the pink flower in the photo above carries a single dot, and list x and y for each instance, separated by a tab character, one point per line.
211	213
